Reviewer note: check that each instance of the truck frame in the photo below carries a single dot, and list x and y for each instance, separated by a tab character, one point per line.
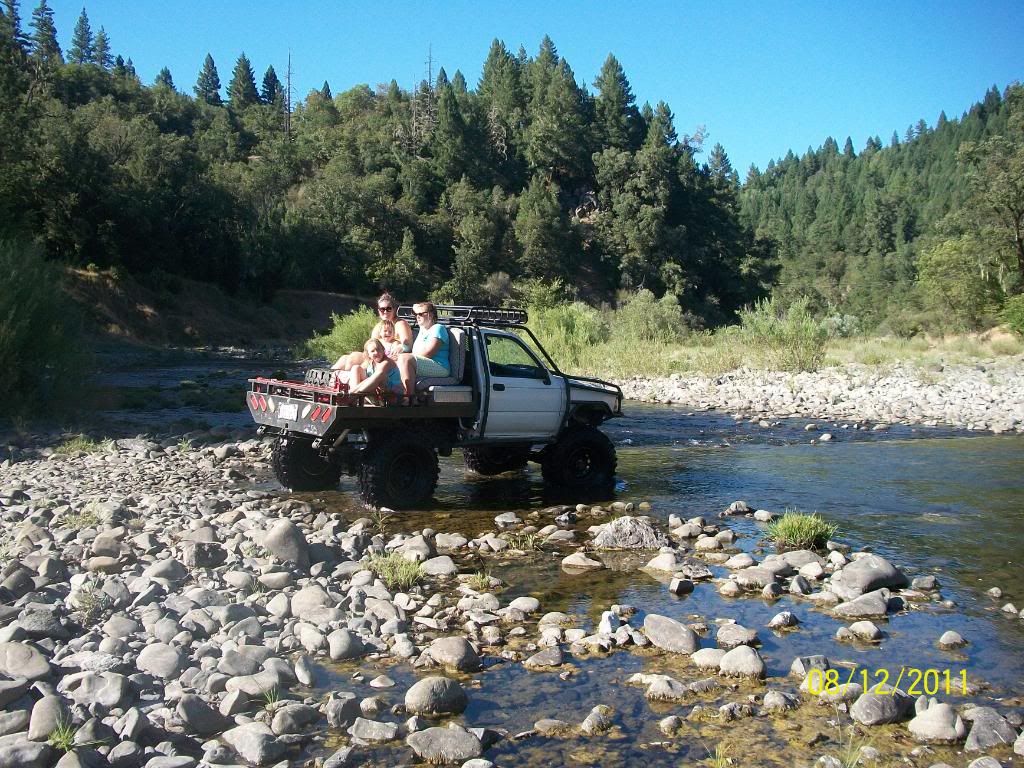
505	403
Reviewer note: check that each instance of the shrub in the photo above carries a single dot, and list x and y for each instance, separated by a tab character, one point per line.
642	318
1013	314
787	340
795	530
348	334
569	332
41	351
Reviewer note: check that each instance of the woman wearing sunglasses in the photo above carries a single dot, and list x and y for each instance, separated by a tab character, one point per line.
429	356
387	309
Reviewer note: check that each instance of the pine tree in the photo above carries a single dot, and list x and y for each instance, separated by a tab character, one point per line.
542	231
325	91
617	121
242	88
45	49
441	81
164	79
10	18
272	89
208	85
101	50
449	140
459	83
82	47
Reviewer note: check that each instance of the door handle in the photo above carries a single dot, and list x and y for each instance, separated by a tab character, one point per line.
499	387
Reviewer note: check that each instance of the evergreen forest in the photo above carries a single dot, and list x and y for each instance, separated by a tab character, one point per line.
527	183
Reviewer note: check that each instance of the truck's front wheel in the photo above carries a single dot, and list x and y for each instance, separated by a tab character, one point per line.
583	459
300	468
398	471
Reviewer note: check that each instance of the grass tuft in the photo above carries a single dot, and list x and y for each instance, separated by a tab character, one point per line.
395	571
796	530
87	517
83	444
479	581
62	737
524	541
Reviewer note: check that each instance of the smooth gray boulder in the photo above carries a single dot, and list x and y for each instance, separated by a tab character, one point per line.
435	695
199	717
938	724
669	635
988	729
742	661
866	574
46	714
161	660
885	706
629	533
254	742
287	543
18	752
343	644
870	605
445	746
731	635
373	731
454	653
23	660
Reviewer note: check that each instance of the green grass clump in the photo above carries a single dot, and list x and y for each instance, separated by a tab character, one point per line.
479	581
83	444
524	541
796	530
87	517
349	333
62	737
396	572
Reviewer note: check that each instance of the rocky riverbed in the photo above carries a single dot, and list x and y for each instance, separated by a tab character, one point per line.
163	605
988	395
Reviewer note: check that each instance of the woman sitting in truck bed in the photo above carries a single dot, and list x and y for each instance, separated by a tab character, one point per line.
429	356
387	310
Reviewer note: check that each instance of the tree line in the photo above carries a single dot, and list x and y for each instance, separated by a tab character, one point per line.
527	182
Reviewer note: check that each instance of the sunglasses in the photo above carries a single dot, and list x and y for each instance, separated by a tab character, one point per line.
422	314
385	309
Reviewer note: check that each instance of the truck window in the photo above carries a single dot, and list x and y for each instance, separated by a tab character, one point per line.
508	357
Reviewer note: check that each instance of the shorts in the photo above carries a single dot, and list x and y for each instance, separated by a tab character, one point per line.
430	369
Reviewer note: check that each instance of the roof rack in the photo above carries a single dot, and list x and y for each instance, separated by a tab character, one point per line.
450	314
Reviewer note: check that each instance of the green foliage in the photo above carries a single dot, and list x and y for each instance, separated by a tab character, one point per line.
796	530
789	339
82	48
643	318
956	277
348	333
87	517
1013	314
41	351
207	86
397	572
569	332
242	88
62	737
84	444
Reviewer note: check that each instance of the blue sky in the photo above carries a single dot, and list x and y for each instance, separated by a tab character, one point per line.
761	77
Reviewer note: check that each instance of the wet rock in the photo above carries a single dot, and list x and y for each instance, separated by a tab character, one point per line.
666	562
629	533
779	701
598	721
742	661
783	620
254	742
680	586
454	653
731	635
435	696
870	605
373	731
545	659
881	707
939	724
552	727
988	729
866	574
343	644
866	630
669	635
580	562
445	746
951	639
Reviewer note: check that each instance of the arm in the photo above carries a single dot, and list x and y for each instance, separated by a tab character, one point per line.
430	344
403	332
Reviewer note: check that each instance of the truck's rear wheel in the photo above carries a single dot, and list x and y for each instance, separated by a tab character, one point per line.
583	459
300	468
398	471
495	460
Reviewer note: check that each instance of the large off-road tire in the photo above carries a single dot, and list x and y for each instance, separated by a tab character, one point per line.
398	471
583	459
300	468
496	459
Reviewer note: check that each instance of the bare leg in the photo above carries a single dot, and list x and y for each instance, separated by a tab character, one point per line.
376	379
350	361
356	376
407	370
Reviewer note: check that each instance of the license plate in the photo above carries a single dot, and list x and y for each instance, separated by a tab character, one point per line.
288	412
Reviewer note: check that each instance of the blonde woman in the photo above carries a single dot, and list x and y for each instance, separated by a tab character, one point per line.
387	309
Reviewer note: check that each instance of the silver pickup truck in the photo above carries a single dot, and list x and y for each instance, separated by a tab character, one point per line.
504	404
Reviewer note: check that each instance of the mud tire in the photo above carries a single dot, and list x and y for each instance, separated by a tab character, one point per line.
583	460
398	471
300	468
494	461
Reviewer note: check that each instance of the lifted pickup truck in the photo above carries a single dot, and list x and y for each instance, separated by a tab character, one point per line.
504	404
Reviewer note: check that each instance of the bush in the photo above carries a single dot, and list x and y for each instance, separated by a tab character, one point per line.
795	530
41	350
790	340
642	318
1013	314
569	332
348	334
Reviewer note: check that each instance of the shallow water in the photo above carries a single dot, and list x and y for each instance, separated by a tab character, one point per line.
937	501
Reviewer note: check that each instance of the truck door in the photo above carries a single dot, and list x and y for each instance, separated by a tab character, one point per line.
525	400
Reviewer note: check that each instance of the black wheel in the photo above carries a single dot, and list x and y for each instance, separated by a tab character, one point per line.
583	459
300	468
494	461
398	471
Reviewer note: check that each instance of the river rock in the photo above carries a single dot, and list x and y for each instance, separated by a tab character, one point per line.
454	653
742	661
445	746
14	722
435	696
866	574
18	752
293	718
779	701
287	543
629	533
12	690
545	659
988	729
951	639
442	565
373	731
866	630
708	658
161	660
938	724
731	635
879	708
198	716
669	635
23	660
254	742
870	605
580	562
47	713
343	644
